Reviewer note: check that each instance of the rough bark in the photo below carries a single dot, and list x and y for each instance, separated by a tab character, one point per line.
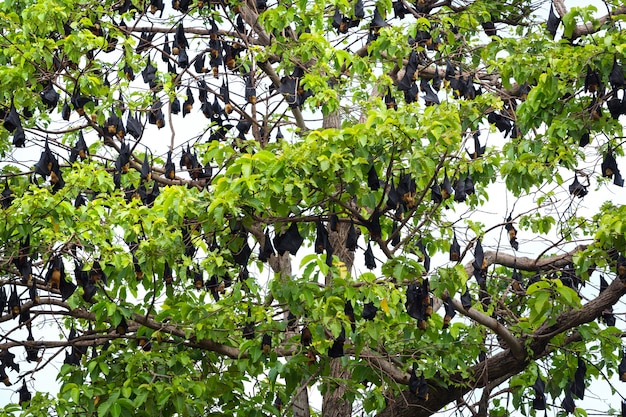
334	403
300	403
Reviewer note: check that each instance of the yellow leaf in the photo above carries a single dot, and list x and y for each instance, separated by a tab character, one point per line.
384	305
343	271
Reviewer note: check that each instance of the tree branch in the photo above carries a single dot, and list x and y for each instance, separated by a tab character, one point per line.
516	346
504	364
523	263
528	264
587	28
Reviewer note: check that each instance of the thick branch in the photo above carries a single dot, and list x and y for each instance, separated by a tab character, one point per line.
587	28
207	344
297	114
251	17
141	319
516	346
389	369
528	264
505	364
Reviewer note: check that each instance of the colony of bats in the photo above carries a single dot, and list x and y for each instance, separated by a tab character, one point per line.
223	56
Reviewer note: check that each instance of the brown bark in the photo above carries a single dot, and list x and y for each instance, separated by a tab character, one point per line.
334	403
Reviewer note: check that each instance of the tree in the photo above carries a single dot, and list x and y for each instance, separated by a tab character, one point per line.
331	131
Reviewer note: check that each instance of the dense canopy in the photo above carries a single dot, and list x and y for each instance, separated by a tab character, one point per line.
219	207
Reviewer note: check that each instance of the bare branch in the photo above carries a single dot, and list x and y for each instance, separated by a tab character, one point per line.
516	346
528	264
588	28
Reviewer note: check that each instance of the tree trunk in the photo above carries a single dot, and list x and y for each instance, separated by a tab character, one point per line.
300	404
335	403
300	399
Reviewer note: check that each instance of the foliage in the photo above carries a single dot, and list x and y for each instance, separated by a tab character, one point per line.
145	233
